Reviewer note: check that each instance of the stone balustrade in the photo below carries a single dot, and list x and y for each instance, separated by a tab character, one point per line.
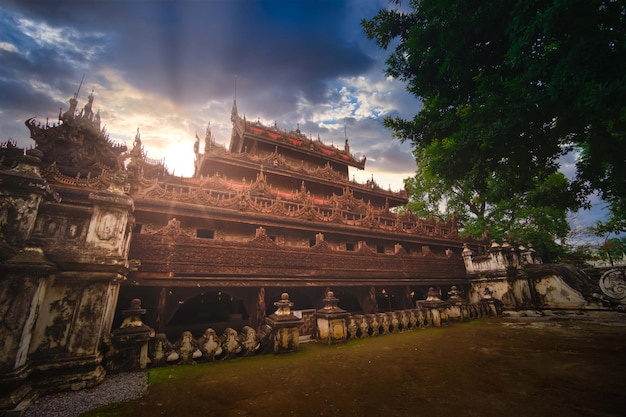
500	259
432	312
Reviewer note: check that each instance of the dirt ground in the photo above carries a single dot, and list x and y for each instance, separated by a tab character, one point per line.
489	367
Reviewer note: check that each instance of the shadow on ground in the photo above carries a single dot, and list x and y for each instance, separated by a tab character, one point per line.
489	367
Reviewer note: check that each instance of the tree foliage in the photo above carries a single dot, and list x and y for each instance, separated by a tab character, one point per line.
613	249
508	88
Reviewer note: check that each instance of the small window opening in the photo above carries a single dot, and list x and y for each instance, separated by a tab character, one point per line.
205	234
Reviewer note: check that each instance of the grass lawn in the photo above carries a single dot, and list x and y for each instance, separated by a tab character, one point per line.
488	367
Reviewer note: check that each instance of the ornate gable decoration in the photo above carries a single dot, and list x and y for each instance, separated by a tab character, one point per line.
296	138
261	238
76	140
172	228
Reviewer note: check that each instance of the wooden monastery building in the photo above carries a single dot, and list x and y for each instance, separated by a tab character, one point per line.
276	212
95	236
87	225
273	212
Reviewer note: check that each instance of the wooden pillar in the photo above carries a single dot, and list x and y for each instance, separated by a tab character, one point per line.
160	313
367	300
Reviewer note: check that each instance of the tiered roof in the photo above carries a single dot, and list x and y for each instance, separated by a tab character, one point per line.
346	203
258	198
297	141
288	157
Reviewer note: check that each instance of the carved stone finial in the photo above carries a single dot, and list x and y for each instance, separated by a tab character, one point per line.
454	293
331	303
137	138
284	305
284	326
433	295
331	320
132	315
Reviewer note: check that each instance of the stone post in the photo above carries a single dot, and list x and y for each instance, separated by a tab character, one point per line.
435	306
331	321
129	343
362	326
457	306
529	255
492	304
285	326
373	324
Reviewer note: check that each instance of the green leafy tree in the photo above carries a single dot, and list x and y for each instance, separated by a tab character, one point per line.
537	216
508	87
613	247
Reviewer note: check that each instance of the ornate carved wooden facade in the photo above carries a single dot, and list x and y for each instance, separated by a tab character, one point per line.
87	224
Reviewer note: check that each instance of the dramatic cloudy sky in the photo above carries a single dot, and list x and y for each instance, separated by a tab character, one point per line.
171	67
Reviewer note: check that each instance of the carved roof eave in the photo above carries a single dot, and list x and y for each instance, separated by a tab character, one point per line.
275	136
99	182
246	207
322	175
303	224
45	136
317	153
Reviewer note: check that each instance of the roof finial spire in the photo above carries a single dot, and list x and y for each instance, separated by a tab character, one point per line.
79	85
345	134
234	113
208	138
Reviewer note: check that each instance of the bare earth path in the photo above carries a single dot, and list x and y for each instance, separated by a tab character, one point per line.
489	367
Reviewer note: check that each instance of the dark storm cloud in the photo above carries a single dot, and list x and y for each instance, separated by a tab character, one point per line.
393	157
18	98
383	152
17	103
15	63
20	70
196	49
33	60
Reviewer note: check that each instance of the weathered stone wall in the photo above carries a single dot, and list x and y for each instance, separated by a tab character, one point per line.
554	292
61	267
78	307
499	259
23	270
19	300
517	278
514	293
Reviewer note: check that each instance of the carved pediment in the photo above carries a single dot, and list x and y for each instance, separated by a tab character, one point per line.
173	228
